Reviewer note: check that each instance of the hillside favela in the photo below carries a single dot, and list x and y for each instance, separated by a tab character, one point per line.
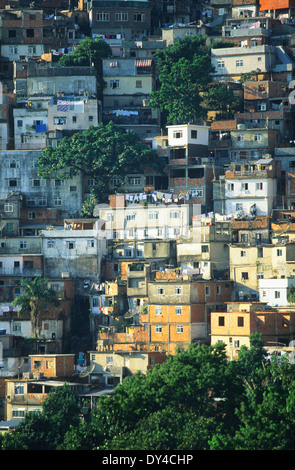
147	227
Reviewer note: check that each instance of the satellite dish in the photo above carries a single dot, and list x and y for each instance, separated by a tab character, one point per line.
16	367
87	371
130	314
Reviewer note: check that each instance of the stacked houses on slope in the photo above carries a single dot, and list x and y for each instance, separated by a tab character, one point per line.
202	254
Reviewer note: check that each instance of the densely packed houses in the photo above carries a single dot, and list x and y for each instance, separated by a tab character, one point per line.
202	254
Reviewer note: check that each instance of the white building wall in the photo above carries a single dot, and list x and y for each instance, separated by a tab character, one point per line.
182	135
274	291
262	196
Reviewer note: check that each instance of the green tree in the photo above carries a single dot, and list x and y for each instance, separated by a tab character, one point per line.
45	430
99	152
221	99
184	73
35	295
89	50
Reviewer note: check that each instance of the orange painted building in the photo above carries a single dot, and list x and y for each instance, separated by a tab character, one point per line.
267	5
234	327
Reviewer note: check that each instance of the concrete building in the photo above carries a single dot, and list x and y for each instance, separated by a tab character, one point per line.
249	264
251	188
129	84
242	319
20	174
260	61
179	308
206	250
140	222
74	254
132	19
274	292
111	367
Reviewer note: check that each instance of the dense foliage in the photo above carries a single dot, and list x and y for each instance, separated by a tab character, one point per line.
196	400
186	90
99	153
34	297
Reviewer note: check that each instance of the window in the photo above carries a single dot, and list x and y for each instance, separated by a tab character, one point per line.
220	64
121	16
130	216
57	201
70	245
245	186
19	123
220	321
239	63
230	187
74	119
13	183
240	321
42	201
138	17
90	118
259	275
207	290
8	207
178	310
257	137
18	413
236	343
259	186
179	328
12	33
158	310
158	329
218	290
177	134
138	84
153	215
178	290
109	359
245	276
128	252
194	134
30	33
260	252
50	244
18	388
17	327
243	254
22	244
279	252
174	214
114	84
134	181
239	206
161	291
90	243
205	249
31	215
103	16
241	138
28	264
277	294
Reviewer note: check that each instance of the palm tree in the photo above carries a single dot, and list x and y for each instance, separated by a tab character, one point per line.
34	297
